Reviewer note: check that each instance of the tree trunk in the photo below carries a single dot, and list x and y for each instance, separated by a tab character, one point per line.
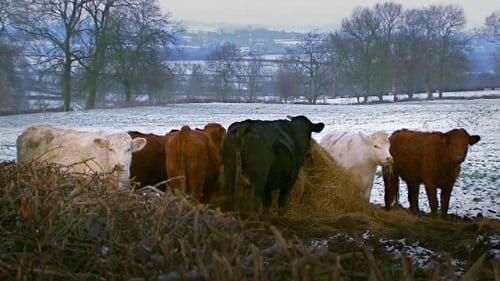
428	86
92	92
128	92
96	66
66	84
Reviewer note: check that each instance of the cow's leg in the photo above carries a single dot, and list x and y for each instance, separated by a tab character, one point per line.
176	181
282	199
232	172
258	189
430	189
391	186
176	171
196	162
267	198
413	196
445	201
195	183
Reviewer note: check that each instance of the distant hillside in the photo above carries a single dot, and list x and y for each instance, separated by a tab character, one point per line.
196	45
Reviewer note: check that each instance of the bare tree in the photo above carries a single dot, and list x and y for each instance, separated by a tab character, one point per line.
6	70
251	73
7	61
492	28
286	80
492	25
310	58
223	63
345	64
444	25
390	16
411	49
56	24
361	31
333	63
196	83
4	11
143	37
93	62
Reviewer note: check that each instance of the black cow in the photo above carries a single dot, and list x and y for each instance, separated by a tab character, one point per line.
262	156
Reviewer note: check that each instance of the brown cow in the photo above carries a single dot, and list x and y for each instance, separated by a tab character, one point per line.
193	159
148	165
431	158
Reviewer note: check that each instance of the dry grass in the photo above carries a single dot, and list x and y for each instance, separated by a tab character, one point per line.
324	189
104	234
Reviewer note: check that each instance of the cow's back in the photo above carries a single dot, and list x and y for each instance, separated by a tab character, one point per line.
193	162
44	143
346	148
413	150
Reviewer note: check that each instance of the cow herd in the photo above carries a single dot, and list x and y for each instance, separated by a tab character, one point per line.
254	158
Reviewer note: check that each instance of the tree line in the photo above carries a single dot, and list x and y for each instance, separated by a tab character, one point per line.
86	47
121	51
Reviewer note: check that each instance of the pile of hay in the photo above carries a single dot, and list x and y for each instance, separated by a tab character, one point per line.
324	188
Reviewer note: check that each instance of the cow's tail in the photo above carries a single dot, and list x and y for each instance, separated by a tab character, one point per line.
239	180
229	158
391	186
176	167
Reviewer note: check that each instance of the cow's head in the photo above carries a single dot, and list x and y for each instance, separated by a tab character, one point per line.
216	132
119	148
305	123
378	146
458	141
303	128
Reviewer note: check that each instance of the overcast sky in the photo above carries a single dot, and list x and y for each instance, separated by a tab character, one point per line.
300	14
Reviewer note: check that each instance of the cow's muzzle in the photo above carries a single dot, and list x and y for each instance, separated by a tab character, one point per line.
459	158
387	161
119	167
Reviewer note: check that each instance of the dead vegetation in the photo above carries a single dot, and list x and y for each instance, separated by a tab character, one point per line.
328	233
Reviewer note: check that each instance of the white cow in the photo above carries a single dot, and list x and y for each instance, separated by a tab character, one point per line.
80	151
359	154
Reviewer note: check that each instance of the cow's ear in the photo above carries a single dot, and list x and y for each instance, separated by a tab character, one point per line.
138	144
364	137
318	127
445	138
101	143
221	132
474	139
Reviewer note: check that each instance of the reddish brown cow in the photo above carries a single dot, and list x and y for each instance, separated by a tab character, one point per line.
431	158
194	158
148	165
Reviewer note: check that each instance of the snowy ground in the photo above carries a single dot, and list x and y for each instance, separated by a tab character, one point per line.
476	191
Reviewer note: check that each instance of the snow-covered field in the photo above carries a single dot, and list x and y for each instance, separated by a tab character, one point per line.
477	190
